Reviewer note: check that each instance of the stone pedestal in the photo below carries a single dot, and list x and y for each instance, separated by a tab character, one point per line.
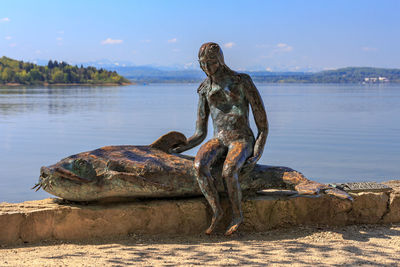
34	221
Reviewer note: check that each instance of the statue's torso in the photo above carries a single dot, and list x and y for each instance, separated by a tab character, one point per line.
229	110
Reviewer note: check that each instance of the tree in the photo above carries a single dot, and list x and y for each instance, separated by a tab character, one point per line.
14	71
36	75
7	75
57	76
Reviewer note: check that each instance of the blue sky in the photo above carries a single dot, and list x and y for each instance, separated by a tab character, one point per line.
272	35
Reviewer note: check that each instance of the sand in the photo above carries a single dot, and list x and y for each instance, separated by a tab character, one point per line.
361	245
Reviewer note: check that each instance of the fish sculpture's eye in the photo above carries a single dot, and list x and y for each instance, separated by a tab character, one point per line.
83	168
79	163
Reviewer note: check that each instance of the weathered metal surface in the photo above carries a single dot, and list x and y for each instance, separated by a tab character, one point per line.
115	172
226	96
169	141
277	192
362	187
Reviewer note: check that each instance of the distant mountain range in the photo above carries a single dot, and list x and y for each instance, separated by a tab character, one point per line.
191	73
343	75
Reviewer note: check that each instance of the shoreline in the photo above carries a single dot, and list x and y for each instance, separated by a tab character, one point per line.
185	82
68	84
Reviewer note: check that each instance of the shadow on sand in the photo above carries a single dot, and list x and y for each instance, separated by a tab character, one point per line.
334	246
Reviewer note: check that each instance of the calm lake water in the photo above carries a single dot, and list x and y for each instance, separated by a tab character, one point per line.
331	133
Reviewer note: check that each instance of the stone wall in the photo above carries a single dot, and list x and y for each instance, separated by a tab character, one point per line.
35	221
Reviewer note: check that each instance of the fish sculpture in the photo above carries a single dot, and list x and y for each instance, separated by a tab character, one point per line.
113	173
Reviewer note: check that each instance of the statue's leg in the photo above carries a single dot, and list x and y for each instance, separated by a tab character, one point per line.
207	154
237	154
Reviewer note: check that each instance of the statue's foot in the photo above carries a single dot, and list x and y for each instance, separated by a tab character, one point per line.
314	188
214	221
234	226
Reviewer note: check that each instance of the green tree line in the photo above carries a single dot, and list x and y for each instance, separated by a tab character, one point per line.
14	71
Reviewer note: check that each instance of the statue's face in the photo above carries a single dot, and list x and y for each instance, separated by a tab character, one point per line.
209	65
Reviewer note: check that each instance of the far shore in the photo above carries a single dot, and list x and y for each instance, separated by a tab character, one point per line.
180	82
68	84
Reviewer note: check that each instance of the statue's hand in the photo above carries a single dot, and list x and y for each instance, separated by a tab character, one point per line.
251	162
179	149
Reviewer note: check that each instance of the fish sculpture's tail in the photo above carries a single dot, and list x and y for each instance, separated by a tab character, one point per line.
315	188
278	177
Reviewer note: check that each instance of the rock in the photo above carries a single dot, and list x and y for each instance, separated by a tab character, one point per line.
393	215
73	222
10	227
264	213
34	221
369	207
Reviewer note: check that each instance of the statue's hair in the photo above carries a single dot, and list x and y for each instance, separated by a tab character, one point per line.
213	50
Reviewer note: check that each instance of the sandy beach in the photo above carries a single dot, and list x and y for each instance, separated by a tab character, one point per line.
357	245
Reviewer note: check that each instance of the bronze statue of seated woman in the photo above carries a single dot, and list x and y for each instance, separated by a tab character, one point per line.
227	162
226	96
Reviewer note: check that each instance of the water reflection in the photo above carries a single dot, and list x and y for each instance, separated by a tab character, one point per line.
56	100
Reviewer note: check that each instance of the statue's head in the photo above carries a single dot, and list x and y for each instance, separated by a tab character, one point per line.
211	58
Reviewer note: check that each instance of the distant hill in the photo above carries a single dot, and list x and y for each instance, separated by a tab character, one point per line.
19	72
145	74
343	75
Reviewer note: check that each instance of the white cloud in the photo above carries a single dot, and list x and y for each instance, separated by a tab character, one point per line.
5	20
145	41
60	32
111	41
176	50
188	65
173	40
59	38
275	50
13	45
279	47
38	52
8	37
229	45
368	49
282	47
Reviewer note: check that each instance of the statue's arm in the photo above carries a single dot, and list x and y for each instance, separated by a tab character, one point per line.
260	118
200	134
